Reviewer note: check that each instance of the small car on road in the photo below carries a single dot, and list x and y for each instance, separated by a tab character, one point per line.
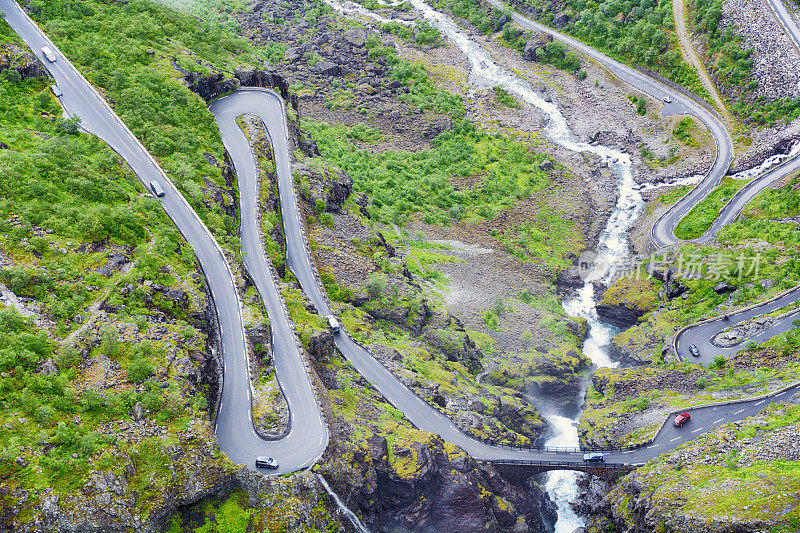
667	100
49	54
694	350
56	91
333	323
681	419
266	462
157	189
594	457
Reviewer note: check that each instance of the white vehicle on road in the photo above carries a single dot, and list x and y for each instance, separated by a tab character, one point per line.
333	323
49	54
56	91
667	100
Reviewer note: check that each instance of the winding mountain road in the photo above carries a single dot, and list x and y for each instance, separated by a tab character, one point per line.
308	435
269	107
663	231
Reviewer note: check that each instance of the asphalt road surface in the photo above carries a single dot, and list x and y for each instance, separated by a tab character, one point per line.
786	20
237	438
663	231
701	334
308	435
269	106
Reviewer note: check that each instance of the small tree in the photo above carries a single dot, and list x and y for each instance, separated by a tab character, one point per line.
376	284
139	370
70	125
718	362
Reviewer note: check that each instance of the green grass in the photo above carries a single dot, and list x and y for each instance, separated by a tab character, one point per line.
505	98
701	216
125	49
683	131
675	194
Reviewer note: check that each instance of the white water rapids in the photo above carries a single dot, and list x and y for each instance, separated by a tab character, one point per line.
612	246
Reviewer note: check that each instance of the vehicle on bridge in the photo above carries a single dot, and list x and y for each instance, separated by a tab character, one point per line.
681	419
594	457
266	462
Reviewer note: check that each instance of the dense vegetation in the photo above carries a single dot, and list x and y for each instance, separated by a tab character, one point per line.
639	32
702	215
60	193
124	49
732	66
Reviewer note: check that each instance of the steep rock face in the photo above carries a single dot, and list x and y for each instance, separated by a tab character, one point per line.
455	343
405	317
324	185
21	60
440	489
619	315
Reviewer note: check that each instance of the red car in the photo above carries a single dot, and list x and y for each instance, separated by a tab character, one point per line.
681	419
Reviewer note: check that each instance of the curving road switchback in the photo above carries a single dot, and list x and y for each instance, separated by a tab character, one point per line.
270	107
308	436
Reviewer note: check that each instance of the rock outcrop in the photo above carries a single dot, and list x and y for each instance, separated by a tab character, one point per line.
620	315
22	61
430	486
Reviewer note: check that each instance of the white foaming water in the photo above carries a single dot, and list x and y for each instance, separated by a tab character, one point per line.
612	245
689	180
562	485
350	515
768	163
352	8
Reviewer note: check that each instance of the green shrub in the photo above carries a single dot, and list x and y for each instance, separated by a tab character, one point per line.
45	416
718	362
376	285
139	370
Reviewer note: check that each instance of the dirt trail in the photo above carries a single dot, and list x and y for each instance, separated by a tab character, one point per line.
690	55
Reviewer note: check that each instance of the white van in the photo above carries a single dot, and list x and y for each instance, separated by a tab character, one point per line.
49	54
333	323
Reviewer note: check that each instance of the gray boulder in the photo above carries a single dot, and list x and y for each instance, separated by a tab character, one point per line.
48	368
327	68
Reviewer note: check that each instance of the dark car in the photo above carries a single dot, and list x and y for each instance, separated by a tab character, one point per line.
266	462
694	351
157	189
594	457
681	419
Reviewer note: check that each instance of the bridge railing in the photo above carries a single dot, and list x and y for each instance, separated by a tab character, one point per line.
563	449
563	464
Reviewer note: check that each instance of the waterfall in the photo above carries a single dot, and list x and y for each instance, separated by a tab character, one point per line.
351	516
